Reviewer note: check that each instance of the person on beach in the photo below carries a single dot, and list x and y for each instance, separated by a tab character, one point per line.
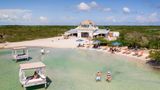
108	77
98	76
112	50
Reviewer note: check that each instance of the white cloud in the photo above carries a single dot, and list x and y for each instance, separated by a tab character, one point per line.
10	15
83	6
20	16
93	4
27	16
43	19
126	10
151	18
107	9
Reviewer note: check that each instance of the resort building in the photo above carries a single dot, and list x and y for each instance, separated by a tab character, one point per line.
112	35
87	29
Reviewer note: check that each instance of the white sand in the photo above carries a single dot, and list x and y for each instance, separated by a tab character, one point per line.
59	42
56	42
142	58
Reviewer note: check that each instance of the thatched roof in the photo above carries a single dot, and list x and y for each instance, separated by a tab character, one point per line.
87	22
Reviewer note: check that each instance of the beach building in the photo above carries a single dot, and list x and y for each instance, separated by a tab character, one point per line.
112	35
87	29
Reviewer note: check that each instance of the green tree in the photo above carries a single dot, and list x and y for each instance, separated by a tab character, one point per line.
155	55
136	39
102	40
154	42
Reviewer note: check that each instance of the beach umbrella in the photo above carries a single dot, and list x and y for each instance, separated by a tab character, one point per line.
96	42
116	43
80	40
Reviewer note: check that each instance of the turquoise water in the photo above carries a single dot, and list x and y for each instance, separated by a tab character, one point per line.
72	69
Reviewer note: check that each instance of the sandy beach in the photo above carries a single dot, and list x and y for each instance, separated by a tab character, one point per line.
59	42
54	42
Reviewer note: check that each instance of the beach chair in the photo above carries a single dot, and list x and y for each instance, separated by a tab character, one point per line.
118	49
140	54
125	51
135	53
128	52
87	46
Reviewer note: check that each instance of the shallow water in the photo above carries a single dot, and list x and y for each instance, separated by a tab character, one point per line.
72	69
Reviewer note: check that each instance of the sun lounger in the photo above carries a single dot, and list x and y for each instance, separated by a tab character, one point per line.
140	54
118	49
135	53
128	52
125	52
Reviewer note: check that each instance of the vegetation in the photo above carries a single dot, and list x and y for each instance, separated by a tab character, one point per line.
137	36
133	36
155	56
102	41
20	33
141	36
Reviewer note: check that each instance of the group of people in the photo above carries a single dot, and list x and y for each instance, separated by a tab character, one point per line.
99	76
114	49
80	45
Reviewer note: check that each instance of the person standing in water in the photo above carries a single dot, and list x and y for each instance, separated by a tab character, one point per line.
108	77
98	76
42	51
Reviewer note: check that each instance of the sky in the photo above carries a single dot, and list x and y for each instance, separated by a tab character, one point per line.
72	12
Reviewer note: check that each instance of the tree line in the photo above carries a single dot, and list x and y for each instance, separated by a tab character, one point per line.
14	33
132	36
